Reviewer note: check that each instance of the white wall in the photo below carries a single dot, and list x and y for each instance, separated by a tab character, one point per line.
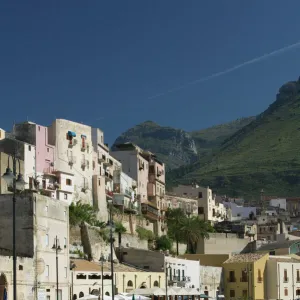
279	203
29	163
237	211
190	268
82	176
211	280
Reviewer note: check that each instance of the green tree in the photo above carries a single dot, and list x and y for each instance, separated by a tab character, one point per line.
175	221
81	212
164	243
193	230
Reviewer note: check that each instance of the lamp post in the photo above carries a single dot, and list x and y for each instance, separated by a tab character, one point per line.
102	260
57	248
17	183
72	267
111	226
167	268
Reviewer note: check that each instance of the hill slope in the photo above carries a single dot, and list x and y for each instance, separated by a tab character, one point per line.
263	154
177	147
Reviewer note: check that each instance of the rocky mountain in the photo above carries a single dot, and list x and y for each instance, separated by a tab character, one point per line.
177	147
264	154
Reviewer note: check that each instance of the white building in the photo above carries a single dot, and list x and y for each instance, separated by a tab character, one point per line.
278	203
40	220
74	159
183	272
124	192
237	212
211	281
24	152
207	205
2	134
283	278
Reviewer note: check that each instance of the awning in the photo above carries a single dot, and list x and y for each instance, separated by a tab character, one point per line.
83	136
71	133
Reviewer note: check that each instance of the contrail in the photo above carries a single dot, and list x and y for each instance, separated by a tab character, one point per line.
218	74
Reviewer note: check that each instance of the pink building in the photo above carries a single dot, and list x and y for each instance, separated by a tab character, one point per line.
37	135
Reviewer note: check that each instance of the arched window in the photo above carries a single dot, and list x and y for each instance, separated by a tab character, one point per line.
3	286
74	297
143	286
130	283
81	294
156	283
107	293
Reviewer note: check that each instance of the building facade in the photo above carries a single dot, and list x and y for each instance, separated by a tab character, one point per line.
40	220
283	278
211	279
244	276
208	208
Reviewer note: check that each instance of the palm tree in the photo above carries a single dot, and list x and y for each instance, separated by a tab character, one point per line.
81	212
175	221
193	230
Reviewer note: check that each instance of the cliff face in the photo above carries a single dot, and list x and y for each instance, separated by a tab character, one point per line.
173	146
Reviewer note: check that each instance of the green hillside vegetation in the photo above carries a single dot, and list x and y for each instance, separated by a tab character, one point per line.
262	155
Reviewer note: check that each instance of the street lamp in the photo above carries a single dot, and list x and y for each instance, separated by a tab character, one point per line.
167	268
17	183
72	267
102	260
57	248
111	226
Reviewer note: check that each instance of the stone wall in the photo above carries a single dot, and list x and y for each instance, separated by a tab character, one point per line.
222	243
24	225
25	277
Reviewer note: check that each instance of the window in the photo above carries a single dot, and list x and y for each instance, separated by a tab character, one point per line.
200	210
298	292
29	148
285	277
130	283
298	275
232	293
259	277
66	272
156	284
47	149
20	268
231	276
68	181
286	292
200	195
65	242
244	277
99	182
66	196
39	127
47	240
47	271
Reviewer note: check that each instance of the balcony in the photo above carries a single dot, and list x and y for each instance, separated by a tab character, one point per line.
84	163
72	160
49	172
101	158
150	211
231	279
141	166
109	194
244	279
72	142
160	173
84	146
108	176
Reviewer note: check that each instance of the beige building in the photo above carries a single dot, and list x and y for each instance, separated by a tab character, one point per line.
39	221
208	207
189	206
149	174
87	278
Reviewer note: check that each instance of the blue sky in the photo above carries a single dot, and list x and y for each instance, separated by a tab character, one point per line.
100	62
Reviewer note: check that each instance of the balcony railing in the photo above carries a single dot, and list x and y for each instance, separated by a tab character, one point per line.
72	160
108	176
109	193
232	279
243	279
101	158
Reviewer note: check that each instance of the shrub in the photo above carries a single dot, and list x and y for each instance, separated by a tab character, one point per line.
145	234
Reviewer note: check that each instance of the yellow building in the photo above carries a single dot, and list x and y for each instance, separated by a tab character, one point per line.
244	276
